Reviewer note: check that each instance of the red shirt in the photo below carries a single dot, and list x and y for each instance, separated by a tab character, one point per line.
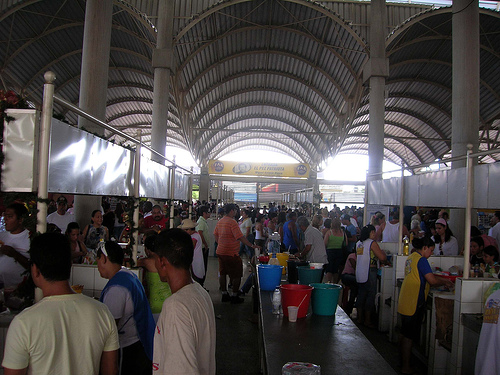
149	222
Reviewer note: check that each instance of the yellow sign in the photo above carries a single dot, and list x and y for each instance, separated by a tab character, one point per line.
258	169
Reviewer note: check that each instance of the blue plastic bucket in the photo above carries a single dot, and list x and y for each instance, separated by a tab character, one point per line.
269	276
325	298
308	275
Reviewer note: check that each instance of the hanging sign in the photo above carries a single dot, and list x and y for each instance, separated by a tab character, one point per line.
259	169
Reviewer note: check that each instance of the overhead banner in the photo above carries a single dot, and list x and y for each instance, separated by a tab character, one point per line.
259	169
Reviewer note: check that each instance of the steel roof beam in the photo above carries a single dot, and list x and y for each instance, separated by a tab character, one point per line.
220	115
264	72
313	67
302	100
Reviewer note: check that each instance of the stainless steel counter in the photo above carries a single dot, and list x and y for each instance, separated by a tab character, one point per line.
334	343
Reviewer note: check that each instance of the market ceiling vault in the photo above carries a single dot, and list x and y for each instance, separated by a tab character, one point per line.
276	75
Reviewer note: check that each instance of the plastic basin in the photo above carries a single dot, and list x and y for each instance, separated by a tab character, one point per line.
325	298
282	258
296	295
293	275
308	275
269	276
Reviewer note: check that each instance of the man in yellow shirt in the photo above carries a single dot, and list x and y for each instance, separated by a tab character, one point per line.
64	333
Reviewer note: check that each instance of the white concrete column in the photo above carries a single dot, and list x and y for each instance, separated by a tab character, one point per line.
204	184
465	86
94	84
257	187
376	71
465	95
162	64
95	62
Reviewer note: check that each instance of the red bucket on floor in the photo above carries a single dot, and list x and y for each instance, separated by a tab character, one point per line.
295	295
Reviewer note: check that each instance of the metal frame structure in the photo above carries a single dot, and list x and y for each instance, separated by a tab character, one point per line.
283	75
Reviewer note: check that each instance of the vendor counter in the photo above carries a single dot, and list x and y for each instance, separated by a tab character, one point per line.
89	277
464	306
333	342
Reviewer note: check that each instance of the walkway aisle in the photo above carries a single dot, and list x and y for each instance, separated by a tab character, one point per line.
237	350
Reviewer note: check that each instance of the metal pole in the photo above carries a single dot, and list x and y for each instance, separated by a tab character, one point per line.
365	211
468	209
137	184
401	207
172	195
43	157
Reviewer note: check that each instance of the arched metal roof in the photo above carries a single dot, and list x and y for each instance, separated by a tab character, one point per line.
283	75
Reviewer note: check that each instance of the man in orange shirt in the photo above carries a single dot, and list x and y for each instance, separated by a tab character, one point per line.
228	236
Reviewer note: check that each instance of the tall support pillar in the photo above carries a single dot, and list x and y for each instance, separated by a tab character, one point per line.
95	62
257	188
465	87
94	83
465	95
312	182
162	65
204	184
375	72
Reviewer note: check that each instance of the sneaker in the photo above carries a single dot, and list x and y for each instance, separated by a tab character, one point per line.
235	300
226	297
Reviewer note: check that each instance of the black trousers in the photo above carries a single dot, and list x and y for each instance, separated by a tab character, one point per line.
134	361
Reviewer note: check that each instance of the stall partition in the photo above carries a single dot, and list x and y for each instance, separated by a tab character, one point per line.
452	188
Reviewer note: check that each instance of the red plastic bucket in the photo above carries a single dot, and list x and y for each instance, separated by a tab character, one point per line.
295	295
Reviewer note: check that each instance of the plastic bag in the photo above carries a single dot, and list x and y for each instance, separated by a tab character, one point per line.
301	368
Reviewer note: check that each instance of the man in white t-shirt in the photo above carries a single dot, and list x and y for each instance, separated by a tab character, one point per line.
15	243
314	245
185	332
61	218
64	333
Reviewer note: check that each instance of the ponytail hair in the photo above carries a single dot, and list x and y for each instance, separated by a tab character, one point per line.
365	232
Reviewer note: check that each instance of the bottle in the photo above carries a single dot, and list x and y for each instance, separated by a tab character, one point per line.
276	301
274	260
406	245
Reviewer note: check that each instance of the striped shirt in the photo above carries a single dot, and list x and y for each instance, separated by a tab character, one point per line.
227	234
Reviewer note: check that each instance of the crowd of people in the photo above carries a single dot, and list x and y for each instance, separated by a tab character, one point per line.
171	322
120	334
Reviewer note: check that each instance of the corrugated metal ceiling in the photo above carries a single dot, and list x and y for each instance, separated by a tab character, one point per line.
261	74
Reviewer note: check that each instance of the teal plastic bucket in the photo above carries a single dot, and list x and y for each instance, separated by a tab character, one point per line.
308	275
269	276
325	298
